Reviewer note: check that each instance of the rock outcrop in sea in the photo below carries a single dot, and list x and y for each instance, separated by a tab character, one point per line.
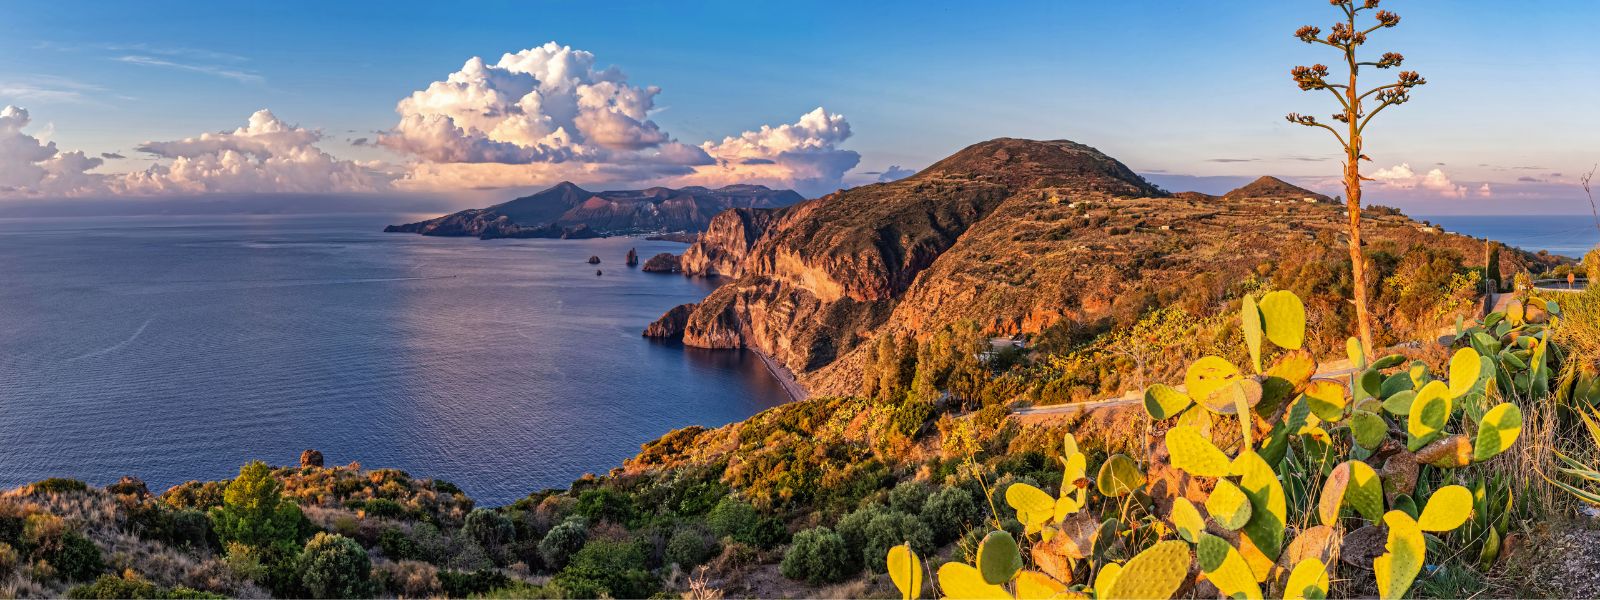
633	257
665	262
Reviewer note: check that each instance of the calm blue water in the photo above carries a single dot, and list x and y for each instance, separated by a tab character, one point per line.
1567	235
177	348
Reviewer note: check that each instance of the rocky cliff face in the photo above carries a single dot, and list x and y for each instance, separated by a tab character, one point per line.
1015	235
721	249
567	211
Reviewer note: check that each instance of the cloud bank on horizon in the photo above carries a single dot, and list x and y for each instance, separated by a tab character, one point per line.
533	118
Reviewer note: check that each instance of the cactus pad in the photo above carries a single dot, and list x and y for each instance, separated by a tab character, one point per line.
1209	374
961	580
1033	506
1285	318
1355	352
1308	581
1162	401
1353	482
1226	569
1195	454
1268	507
999	559
1448	507
1033	585
1250	317
1187	520
1157	572
1228	505
1428	415
1464	371
1369	429
1497	431
906	571
1400	403
1405	552
1326	398
1119	476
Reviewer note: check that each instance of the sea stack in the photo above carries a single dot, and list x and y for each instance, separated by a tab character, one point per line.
633	257
594	260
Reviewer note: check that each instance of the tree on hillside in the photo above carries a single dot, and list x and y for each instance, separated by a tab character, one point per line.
255	513
1348	38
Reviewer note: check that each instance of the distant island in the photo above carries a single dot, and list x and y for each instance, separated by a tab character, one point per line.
567	211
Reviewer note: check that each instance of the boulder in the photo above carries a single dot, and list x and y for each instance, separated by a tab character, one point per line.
594	260
310	458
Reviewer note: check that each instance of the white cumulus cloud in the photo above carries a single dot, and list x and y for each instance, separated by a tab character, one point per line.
803	155
266	155
1401	176
30	166
547	114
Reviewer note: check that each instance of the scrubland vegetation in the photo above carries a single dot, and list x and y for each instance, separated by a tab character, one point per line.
1439	463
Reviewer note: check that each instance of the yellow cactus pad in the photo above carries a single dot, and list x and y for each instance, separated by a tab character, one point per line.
1031	501
1497	431
1308	581
1187	520
1405	552
1162	401
1285	318
961	581
1429	414
1464	371
906	571
1195	454
1268	506
1447	509
1033	585
1250	318
1228	505
1157	572
1119	476
1226	569
1209	374
1326	398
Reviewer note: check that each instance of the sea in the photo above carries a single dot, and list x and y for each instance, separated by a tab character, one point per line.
1567	235
178	348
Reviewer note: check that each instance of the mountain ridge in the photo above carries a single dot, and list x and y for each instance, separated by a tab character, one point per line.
1018	236
566	210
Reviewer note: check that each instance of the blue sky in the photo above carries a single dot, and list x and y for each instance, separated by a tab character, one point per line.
1191	94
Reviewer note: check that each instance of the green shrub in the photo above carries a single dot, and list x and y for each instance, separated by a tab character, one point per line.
689	547
396	545
384	507
57	485
78	559
852	529
948	512
562	541
908	497
817	556
742	522
334	566
606	567
109	587
890	529
191	528
461	584
255	513
605	504
489	528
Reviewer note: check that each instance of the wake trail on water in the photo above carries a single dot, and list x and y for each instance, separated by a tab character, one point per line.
116	346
